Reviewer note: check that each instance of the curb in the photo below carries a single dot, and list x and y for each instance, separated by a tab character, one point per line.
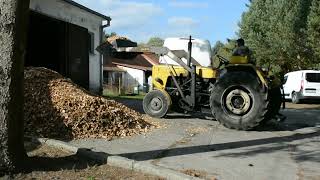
118	161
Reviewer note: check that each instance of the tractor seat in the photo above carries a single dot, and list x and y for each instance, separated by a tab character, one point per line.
239	60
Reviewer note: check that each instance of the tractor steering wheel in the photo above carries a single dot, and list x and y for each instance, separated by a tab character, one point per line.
222	59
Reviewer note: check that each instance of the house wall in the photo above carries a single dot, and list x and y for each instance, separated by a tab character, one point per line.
66	12
133	76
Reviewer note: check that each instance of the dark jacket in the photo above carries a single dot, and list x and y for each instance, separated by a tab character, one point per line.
244	51
241	51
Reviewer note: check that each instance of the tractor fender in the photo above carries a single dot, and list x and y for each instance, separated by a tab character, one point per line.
249	68
167	95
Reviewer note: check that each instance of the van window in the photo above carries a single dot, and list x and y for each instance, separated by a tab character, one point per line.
313	77
285	79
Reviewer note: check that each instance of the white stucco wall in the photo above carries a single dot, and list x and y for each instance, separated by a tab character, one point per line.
64	11
133	76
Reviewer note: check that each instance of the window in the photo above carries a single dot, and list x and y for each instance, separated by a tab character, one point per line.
313	77
105	77
285	79
91	42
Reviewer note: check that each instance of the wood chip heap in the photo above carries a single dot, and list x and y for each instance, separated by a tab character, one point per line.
57	108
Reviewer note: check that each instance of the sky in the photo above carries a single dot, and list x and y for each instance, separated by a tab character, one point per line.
140	20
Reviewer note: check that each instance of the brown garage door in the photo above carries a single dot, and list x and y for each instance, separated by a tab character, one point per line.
78	56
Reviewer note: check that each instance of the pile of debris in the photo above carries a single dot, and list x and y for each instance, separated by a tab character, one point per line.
57	108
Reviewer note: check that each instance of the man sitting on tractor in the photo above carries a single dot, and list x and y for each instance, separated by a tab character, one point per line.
242	50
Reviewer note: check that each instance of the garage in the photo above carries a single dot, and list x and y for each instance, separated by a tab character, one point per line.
62	36
60	46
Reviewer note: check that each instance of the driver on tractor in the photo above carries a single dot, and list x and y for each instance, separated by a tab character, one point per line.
242	50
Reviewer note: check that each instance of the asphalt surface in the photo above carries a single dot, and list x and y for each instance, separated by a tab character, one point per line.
288	150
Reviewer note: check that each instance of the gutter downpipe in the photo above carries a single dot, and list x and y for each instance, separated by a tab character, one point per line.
102	27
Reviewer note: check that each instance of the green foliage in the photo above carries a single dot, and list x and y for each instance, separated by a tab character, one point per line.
314	28
91	178
277	33
224	50
107	35
216	48
155	42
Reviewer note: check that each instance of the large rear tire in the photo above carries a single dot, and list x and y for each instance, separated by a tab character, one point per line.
157	103
239	101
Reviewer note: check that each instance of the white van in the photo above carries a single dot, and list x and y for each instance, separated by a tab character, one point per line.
301	85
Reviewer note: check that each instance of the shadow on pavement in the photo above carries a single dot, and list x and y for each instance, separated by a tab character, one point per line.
137	106
72	162
171	152
75	162
296	119
52	159
297	154
133	104
200	116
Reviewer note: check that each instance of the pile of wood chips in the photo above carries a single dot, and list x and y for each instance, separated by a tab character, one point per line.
57	108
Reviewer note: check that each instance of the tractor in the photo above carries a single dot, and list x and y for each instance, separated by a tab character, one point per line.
240	95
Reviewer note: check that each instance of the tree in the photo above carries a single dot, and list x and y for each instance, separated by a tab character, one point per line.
276	31
13	30
254	29
224	50
216	48
107	35
314	28
152	42
155	42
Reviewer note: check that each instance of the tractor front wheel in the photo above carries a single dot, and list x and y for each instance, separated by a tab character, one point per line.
157	103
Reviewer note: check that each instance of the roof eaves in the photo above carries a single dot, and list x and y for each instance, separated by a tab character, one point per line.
87	9
143	68
150	59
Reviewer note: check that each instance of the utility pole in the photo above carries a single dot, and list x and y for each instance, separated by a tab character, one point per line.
13	27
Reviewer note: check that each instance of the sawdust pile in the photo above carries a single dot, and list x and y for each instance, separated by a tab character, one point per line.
57	108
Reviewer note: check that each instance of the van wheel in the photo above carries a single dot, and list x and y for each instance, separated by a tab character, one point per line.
295	98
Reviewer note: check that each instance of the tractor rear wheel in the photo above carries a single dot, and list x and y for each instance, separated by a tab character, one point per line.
157	103
239	101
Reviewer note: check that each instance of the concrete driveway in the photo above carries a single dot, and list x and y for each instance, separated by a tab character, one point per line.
290	150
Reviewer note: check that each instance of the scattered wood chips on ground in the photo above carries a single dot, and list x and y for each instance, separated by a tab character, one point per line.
57	108
50	163
192	131
195	173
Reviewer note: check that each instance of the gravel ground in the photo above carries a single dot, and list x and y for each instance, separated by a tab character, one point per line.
203	148
303	106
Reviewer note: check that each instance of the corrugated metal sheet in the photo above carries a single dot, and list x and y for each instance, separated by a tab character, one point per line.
141	61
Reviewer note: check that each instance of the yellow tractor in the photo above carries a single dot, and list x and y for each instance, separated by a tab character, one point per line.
240	95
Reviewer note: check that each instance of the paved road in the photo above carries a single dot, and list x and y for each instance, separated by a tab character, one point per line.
290	150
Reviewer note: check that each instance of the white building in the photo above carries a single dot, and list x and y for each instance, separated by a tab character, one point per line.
129	73
63	36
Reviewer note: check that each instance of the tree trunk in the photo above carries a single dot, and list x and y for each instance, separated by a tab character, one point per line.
13	24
